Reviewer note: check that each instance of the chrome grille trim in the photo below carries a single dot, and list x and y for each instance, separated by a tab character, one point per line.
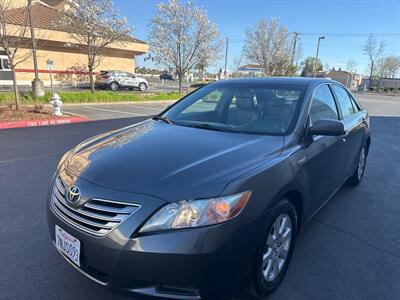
96	216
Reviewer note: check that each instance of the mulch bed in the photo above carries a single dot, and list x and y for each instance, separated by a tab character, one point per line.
8	114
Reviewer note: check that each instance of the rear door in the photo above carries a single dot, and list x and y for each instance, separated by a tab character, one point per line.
354	122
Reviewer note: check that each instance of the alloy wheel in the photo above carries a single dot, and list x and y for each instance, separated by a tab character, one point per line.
142	86
361	164
277	247
114	86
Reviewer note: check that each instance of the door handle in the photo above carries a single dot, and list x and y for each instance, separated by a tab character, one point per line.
301	161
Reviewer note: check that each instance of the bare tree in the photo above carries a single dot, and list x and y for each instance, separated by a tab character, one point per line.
386	67
392	65
268	44
351	66
237	62
94	25
181	36
373	49
12	39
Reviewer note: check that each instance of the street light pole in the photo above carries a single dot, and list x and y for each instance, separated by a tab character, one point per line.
37	84
316	57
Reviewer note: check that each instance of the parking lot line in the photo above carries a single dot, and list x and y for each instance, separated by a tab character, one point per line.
150	108
114	111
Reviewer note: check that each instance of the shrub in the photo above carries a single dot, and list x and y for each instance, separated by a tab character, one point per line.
85	97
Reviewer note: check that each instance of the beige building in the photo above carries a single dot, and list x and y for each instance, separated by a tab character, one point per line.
70	65
351	80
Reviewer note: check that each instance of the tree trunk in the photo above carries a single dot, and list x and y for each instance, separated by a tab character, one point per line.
180	83
370	75
15	88
92	89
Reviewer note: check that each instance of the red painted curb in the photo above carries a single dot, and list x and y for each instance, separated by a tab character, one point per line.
44	122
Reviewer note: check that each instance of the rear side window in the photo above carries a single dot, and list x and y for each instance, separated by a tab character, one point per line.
355	104
323	105
344	100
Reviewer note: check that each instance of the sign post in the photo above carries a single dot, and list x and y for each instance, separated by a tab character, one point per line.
55	99
50	67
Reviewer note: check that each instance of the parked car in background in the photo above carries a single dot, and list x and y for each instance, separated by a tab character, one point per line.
166	76
116	80
244	165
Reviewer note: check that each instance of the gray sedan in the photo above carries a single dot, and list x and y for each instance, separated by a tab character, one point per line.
209	196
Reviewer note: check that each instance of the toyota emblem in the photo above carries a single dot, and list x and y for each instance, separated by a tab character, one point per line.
73	194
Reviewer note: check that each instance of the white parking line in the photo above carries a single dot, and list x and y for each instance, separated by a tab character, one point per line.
115	111
150	108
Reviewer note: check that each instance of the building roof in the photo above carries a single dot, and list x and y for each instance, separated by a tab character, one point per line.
45	17
250	67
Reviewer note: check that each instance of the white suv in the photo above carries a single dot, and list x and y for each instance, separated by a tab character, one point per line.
115	80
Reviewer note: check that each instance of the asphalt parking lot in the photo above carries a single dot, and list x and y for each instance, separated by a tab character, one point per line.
114	111
350	250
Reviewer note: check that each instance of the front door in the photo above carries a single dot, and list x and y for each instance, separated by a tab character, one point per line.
323	154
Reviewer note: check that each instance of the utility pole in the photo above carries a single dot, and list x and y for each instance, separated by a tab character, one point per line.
37	84
316	56
226	57
294	46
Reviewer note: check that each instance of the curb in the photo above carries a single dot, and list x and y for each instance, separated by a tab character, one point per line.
43	122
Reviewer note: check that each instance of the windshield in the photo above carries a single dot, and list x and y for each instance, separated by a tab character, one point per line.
244	108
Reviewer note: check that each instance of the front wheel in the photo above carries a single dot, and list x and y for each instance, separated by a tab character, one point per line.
276	250
358	174
142	86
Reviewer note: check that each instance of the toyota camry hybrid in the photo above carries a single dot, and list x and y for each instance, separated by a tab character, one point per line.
208	197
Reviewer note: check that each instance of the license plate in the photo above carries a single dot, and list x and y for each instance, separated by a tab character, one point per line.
68	245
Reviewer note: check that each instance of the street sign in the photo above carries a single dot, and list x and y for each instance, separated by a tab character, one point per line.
50	65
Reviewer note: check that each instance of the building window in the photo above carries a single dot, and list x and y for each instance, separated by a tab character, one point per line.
4	64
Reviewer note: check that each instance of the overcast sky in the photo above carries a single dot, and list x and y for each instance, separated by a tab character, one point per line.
345	23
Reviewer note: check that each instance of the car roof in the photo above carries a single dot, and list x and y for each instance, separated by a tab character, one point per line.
304	81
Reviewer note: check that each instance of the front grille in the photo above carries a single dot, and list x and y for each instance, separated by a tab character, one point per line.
95	216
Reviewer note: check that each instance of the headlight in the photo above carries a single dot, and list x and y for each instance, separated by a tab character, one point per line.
195	213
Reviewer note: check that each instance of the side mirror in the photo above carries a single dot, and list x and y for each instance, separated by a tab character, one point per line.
327	127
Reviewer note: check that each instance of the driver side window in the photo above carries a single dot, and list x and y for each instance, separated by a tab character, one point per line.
323	105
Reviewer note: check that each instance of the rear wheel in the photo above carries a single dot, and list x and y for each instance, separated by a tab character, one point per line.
276	250
358	174
114	86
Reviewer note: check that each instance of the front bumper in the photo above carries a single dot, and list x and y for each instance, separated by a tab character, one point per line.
181	264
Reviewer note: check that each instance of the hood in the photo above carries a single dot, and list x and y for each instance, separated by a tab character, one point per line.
169	161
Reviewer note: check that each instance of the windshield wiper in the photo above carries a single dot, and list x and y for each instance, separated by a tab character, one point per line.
162	118
207	126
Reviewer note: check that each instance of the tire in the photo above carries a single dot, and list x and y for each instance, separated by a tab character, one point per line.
358	174
265	280
142	86
114	86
